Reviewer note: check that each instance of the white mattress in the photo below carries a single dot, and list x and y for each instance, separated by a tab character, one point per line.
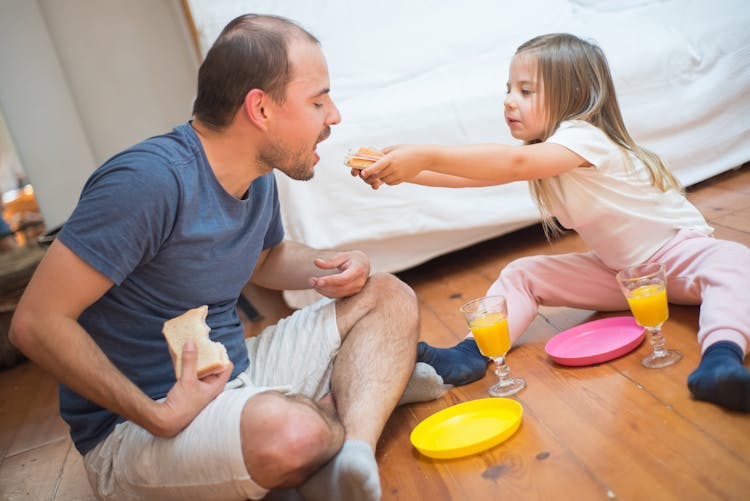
435	72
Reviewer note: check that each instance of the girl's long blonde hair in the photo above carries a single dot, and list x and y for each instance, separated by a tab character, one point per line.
577	85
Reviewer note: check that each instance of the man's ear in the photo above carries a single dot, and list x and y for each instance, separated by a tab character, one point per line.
256	108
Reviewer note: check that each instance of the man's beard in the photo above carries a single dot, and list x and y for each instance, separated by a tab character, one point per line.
295	164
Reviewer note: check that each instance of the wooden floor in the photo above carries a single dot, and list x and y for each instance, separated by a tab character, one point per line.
610	431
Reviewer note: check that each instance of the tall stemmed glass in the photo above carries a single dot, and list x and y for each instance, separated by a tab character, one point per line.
645	288
488	320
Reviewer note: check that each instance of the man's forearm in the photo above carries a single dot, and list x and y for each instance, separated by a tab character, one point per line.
62	347
289	266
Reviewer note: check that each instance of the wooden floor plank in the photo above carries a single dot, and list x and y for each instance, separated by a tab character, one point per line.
73	485
28	409
738	219
42	423
728	429
433	327
620	431
727	233
715	201
530	462
15	384
34	474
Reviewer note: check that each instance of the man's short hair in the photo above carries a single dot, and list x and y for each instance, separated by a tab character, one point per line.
250	53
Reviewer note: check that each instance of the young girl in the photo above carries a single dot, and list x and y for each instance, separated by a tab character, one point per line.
587	174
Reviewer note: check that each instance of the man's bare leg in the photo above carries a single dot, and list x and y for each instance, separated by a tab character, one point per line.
292	436
379	327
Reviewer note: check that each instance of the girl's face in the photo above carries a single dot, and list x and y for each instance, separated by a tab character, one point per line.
524	101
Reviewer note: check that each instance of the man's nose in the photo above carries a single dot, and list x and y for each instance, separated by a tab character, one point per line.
334	117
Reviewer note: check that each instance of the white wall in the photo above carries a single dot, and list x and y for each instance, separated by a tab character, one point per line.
82	79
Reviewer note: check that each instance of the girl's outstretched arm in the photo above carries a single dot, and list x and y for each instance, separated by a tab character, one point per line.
430	178
470	165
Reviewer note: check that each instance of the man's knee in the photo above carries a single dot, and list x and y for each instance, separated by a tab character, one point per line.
286	438
387	303
397	298
388	288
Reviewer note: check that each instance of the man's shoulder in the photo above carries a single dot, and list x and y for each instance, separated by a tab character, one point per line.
172	148
157	159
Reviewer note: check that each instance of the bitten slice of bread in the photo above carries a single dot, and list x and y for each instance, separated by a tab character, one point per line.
191	326
362	157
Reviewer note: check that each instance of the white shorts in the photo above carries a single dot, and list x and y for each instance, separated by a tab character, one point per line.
205	461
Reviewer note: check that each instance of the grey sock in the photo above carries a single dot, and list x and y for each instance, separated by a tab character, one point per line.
425	384
352	474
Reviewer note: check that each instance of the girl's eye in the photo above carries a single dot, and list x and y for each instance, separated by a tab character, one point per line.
318	105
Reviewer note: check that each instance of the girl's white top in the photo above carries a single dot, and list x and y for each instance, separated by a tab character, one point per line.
612	204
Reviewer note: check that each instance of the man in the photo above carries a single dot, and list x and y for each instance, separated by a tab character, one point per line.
186	219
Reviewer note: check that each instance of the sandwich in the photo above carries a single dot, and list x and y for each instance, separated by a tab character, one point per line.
191	326
362	157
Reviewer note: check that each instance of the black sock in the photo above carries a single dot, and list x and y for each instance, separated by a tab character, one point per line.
722	378
461	364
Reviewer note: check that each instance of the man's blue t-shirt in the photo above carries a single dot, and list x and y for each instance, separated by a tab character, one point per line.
155	220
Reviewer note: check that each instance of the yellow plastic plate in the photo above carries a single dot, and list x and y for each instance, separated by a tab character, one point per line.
467	428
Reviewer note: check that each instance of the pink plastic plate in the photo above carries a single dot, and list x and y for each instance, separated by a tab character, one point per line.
595	342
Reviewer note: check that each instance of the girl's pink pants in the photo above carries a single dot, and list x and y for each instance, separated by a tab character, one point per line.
700	270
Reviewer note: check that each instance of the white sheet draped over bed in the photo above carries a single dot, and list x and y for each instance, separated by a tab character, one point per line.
435	72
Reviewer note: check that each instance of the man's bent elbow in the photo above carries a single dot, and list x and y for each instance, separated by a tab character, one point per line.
21	331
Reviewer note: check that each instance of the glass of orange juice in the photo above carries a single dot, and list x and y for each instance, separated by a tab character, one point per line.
645	288
488	320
